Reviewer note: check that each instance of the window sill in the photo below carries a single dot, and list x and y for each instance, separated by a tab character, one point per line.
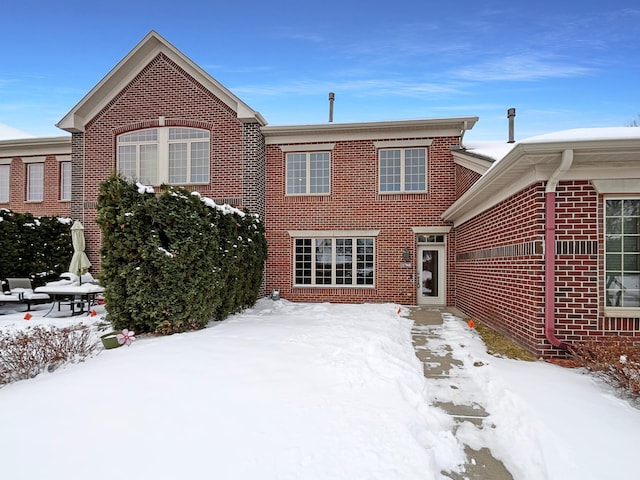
403	192
333	287
621	312
34	201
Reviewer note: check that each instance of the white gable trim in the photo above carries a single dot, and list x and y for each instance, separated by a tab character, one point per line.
130	66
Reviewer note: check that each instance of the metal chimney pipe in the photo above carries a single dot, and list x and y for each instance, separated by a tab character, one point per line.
511	114
332	97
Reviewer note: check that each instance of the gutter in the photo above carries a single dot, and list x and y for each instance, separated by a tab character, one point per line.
550	251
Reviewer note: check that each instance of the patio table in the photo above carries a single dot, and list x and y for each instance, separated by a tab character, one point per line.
72	295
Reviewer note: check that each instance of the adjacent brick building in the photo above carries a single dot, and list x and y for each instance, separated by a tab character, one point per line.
542	241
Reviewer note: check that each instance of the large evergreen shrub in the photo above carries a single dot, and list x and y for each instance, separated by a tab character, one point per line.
36	247
173	261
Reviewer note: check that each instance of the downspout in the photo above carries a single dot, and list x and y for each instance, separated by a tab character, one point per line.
550	251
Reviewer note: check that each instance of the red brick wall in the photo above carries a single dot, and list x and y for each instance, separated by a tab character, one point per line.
354	204
51	205
505	288
496	282
162	89
464	179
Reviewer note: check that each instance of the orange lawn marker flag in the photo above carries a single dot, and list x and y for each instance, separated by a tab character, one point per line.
93	313
28	316
471	323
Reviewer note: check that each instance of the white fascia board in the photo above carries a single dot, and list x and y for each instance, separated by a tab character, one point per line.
333	132
35	146
471	162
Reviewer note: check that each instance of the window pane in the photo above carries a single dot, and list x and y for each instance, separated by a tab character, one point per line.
296	173
389	170
324	261
614	261
35	182
187	133
199	161
5	172
319	172
614	208
631	208
364	266
614	225
150	135
65	180
622	244
344	261
303	261
149	164
415	169
127	161
614	243
178	163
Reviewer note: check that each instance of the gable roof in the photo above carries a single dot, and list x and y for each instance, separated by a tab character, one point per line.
126	70
598	154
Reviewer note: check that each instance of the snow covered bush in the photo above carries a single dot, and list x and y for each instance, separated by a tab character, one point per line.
173	261
616	361
26	353
35	247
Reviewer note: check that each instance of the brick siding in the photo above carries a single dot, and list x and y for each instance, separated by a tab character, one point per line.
162	89
51	205
500	268
355	204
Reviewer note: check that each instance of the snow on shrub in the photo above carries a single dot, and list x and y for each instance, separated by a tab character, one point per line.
26	353
173	260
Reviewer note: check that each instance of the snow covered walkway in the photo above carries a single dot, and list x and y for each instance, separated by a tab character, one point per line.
438	363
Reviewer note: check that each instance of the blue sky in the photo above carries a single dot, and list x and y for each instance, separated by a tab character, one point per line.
562	64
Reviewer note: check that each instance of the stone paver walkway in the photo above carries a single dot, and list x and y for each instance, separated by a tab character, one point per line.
480	465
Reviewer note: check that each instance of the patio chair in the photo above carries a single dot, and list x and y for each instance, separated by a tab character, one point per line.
24	290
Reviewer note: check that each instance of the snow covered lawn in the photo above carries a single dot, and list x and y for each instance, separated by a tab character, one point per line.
303	391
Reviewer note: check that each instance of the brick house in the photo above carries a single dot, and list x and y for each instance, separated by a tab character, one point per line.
536	240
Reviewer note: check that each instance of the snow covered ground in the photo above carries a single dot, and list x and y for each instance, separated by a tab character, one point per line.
304	391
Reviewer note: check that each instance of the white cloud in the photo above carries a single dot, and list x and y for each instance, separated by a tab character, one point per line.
10	133
521	68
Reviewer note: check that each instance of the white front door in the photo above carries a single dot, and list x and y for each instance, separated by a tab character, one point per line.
431	275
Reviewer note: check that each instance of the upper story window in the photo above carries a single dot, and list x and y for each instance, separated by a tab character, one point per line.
5	174
65	180
35	182
402	170
308	173
174	155
622	247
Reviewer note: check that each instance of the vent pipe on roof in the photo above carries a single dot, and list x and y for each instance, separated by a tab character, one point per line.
511	114
332	97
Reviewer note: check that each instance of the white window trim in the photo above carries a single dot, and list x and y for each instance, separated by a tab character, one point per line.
615	312
28	193
62	182
307	147
344	234
308	174
7	167
163	153
403	149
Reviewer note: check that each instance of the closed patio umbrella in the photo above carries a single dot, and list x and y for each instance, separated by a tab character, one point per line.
79	262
